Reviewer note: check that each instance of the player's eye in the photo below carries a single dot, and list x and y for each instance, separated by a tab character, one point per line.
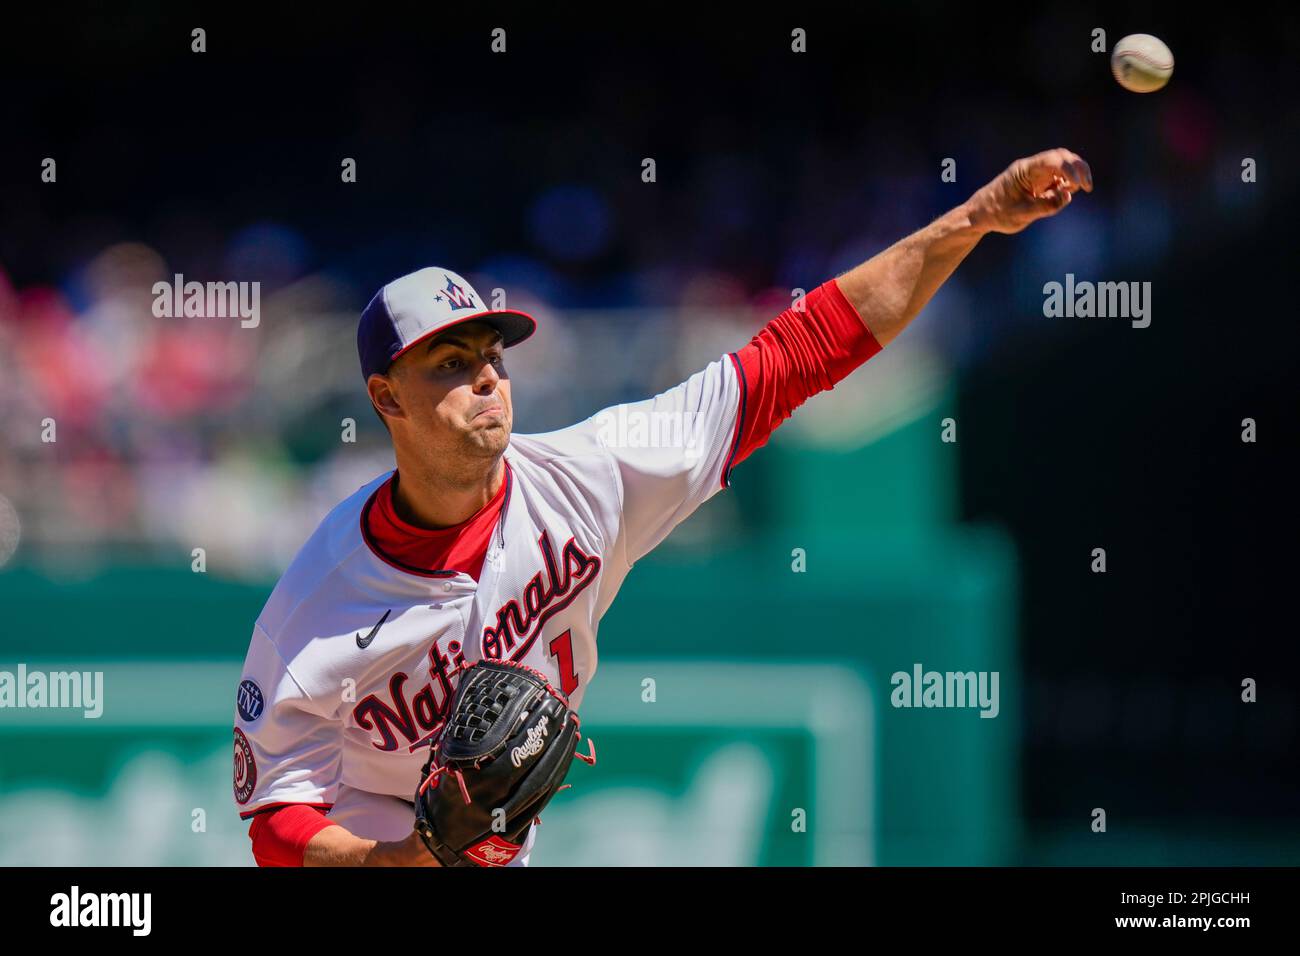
455	364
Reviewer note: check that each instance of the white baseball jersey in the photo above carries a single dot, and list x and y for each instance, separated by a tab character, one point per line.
323	720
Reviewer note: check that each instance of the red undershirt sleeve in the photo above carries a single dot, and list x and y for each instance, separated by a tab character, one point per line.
280	837
792	358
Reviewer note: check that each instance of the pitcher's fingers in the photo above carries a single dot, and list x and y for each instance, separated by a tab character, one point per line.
1079	172
1069	184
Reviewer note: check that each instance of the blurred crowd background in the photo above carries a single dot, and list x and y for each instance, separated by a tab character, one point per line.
774	171
227	168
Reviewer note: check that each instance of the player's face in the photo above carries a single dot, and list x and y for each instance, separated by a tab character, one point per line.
454	393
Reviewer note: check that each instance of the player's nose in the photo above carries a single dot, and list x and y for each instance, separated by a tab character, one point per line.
487	379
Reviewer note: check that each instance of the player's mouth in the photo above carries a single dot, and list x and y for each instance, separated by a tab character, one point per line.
489	410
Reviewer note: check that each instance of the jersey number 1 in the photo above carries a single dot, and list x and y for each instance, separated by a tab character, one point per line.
562	651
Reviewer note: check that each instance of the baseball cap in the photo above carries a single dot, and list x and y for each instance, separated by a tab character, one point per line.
418	306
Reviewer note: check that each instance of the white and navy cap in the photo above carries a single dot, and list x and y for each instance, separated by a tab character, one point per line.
411	309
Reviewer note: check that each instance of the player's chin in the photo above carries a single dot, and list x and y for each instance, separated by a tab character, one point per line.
490	422
491	433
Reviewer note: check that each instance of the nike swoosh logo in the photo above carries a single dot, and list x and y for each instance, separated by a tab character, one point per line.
364	642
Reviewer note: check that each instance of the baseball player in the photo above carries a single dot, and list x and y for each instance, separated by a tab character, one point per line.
483	545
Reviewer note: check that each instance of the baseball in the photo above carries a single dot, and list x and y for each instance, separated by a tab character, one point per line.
1141	63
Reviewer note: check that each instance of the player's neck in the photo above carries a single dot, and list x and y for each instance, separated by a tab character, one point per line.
432	501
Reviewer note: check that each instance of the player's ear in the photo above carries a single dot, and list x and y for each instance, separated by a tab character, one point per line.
384	397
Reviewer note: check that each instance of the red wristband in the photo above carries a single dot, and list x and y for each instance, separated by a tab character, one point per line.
280	837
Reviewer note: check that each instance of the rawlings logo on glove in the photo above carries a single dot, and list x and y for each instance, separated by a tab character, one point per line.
502	716
534	744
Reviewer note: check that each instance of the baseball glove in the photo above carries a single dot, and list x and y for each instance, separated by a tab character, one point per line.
508	741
